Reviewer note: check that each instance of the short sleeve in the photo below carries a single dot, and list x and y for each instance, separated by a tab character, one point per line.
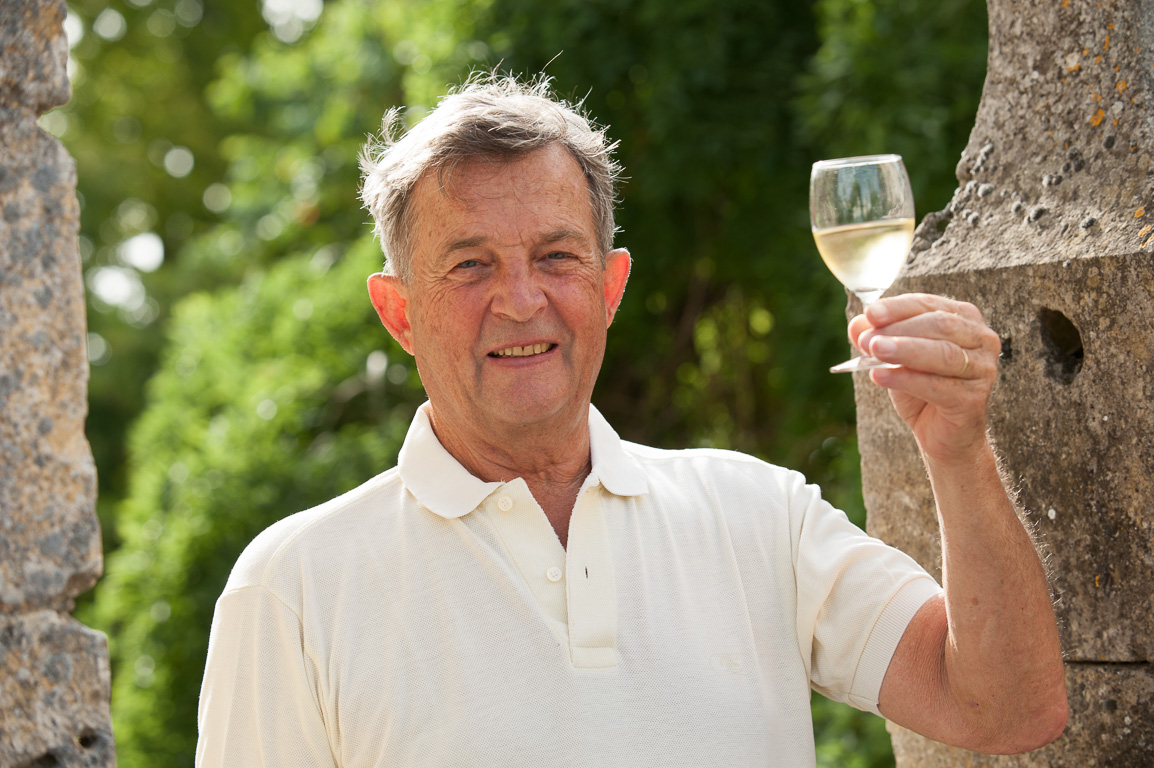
856	595
258	703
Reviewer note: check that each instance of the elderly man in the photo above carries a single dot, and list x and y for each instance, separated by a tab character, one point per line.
526	589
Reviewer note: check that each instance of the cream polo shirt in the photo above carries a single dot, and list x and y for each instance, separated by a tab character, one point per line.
428	618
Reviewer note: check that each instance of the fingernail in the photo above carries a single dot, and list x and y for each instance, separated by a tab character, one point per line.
879	313
883	346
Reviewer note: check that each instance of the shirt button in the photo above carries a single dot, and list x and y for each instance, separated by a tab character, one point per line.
504	503
553	574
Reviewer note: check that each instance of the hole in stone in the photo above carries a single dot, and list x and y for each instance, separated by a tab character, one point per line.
89	739
1063	345
44	761
1007	348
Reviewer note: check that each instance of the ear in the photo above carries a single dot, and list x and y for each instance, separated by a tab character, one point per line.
390	298
614	277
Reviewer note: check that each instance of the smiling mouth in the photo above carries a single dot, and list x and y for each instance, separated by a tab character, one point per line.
526	351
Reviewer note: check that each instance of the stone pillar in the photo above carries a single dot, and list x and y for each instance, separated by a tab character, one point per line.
54	676
1051	234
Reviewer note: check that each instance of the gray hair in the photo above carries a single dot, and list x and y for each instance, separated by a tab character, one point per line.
489	117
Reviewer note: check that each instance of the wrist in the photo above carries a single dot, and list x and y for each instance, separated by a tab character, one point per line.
976	457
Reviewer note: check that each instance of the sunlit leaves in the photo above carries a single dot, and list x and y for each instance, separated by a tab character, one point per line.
264	405
864	94
144	141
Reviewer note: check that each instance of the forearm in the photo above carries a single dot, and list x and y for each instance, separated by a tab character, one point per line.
984	669
1002	658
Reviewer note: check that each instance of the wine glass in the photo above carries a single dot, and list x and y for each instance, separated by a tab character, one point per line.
862	213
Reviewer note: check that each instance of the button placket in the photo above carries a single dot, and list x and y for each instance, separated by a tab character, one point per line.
533	547
591	589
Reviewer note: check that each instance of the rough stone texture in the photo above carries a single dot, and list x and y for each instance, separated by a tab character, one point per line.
33	55
49	536
1050	235
1080	452
54	699
1058	165
54	677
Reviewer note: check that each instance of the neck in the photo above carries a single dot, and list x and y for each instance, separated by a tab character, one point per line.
553	459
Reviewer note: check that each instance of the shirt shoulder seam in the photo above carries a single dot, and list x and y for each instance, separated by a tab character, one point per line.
648	453
377	484
270	592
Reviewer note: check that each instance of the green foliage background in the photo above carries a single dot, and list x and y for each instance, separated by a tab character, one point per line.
246	377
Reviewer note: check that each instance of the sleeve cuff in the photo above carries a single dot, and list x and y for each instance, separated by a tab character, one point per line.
884	639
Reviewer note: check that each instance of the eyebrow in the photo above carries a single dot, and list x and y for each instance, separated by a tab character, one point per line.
465	243
551	236
557	235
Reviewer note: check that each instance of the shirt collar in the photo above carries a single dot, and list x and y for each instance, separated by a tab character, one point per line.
441	484
618	471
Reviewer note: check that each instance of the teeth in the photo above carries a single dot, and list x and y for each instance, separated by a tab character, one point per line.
526	351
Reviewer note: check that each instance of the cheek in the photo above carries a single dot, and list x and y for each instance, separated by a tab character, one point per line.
579	302
442	341
443	322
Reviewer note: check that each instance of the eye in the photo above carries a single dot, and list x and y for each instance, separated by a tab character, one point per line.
467	264
558	255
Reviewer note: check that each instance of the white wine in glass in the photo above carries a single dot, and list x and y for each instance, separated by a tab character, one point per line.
862	213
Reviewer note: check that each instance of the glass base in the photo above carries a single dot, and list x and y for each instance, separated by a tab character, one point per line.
861	363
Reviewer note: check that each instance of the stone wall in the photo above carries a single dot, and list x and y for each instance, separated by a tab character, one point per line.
54	676
1051	234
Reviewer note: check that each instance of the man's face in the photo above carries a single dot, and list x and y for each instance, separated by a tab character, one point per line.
508	304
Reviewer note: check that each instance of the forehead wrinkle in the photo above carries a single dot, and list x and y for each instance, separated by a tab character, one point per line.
468	188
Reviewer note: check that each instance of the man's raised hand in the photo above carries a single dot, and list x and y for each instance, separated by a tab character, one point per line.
949	359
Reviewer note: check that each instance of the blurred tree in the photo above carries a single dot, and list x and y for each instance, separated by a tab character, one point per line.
271	397
145	144
283	392
863	94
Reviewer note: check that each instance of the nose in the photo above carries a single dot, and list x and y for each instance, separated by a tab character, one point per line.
518	294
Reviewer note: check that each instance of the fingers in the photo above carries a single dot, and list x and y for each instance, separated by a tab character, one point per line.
929	334
896	308
857	327
919	314
934	356
942	326
948	360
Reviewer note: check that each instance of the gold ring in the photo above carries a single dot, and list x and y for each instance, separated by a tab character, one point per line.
965	367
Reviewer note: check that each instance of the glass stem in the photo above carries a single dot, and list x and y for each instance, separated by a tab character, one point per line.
866	298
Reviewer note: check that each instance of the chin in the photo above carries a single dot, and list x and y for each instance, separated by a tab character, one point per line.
526	410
